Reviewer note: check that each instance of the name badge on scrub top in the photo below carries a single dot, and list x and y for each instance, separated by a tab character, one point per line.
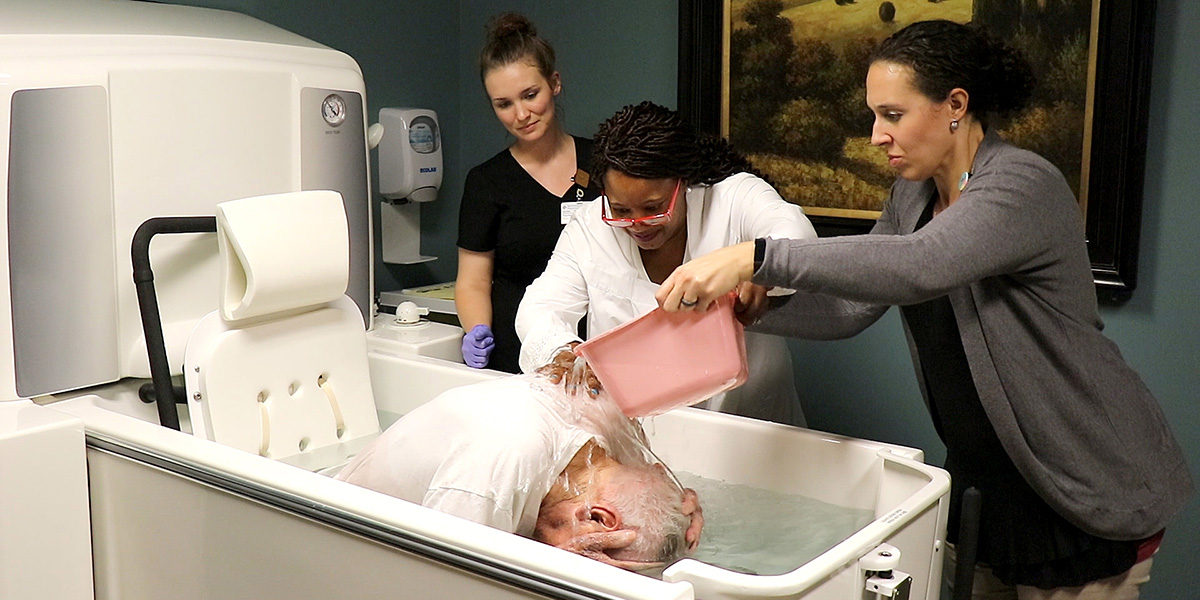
568	208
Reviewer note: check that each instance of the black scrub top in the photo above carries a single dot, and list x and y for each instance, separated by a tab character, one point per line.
507	211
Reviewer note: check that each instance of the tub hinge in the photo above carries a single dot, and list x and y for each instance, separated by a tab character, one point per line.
883	579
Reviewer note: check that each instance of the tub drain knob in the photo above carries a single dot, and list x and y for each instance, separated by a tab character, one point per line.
884	557
883	579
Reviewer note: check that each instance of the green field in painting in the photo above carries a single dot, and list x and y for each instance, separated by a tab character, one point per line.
826	20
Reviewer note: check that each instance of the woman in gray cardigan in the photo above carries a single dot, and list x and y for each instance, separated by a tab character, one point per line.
982	246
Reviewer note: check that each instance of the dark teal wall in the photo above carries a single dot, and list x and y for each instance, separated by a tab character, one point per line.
613	52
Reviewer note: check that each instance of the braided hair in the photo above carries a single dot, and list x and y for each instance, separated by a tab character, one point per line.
944	55
512	37
649	141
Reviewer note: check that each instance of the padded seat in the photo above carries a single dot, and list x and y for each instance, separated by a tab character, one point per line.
280	369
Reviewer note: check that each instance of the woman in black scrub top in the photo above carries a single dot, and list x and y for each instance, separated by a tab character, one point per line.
515	204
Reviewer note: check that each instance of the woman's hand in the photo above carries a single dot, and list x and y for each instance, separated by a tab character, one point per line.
752	303
598	545
477	346
695	284
572	370
691	508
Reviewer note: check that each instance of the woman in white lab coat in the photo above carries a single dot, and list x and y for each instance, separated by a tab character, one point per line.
670	196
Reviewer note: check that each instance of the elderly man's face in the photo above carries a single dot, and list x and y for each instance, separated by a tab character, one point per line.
567	512
555	524
585	512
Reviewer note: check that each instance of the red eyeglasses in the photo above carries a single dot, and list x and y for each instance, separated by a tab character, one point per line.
658	219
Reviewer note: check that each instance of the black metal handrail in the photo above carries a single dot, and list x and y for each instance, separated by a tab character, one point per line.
164	394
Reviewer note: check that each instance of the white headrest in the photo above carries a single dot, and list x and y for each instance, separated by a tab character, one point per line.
282	252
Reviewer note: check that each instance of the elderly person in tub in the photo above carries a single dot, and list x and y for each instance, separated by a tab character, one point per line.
518	454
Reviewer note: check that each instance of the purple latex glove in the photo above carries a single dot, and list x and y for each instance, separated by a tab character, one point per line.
477	346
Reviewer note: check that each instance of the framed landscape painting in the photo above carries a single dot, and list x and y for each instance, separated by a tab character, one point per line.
783	80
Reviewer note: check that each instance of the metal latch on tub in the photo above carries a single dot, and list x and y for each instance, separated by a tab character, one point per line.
882	577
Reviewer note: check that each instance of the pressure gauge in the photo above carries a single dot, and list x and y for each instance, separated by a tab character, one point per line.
333	109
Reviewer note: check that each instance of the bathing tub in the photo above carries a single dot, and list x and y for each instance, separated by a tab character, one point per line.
173	512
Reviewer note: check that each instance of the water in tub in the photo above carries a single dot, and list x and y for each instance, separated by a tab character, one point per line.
761	532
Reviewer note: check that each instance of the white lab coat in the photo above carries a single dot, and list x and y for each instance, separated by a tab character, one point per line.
597	269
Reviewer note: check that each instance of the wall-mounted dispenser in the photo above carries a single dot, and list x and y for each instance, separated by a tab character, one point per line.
410	172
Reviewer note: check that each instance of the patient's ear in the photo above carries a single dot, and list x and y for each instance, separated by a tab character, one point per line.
598	517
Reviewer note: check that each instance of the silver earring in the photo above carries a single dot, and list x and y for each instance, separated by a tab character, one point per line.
953	125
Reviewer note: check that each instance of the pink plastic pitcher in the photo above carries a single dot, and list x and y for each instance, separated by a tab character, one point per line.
661	360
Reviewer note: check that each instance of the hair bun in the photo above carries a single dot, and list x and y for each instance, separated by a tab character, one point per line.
512	37
510	24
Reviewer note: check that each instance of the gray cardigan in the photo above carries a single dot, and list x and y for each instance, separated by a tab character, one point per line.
1076	419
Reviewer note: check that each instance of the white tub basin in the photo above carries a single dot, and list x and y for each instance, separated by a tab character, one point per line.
170	511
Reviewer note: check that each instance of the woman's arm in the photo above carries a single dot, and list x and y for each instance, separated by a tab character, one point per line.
1008	222
473	304
756	210
818	317
760	212
548	317
744	208
810	316
473	288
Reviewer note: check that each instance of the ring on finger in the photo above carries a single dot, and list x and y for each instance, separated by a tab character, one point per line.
687	303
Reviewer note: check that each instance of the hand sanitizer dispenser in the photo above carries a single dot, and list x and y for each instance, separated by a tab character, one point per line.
410	172
410	154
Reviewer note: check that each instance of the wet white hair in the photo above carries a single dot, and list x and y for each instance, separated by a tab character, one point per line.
651	503
648	498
